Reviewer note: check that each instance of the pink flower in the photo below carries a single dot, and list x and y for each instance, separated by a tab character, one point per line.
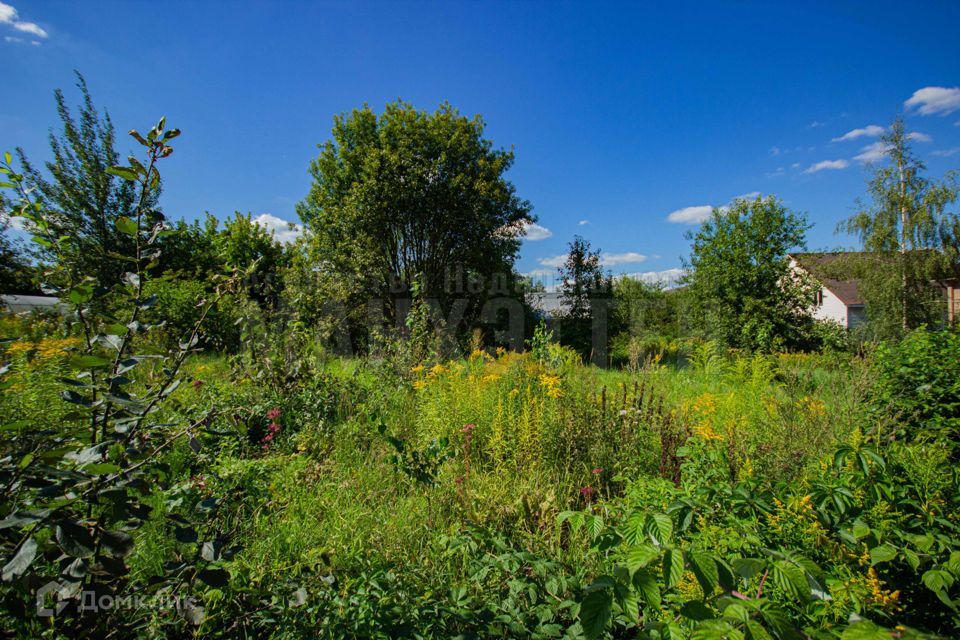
197	384
597	471
467	428
274	413
587	491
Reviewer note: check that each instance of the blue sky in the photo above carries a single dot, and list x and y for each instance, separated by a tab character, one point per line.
620	114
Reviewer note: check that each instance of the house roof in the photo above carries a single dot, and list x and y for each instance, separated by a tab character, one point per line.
824	265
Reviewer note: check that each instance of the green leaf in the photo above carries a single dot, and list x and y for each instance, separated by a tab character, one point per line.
865	630
117	543
705	570
595	612
790	578
81	294
672	567
215	577
755	631
211	550
659	527
696	610
640	556
882	553
127	226
20	562
74	539
126	173
646	583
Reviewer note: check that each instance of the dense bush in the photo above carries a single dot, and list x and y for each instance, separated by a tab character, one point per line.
919	382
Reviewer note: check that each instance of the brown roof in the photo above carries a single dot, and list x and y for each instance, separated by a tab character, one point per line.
824	265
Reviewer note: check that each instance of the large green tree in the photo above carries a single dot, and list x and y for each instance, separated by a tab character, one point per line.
84	200
742	289
409	195
583	288
910	239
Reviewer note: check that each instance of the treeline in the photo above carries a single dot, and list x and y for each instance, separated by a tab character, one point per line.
411	229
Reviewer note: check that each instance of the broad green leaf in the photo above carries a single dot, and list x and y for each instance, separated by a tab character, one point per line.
215	577
125	173
75	539
672	567
865	630
882	553
117	543
127	226
640	556
659	527
20	562
645	582
705	569
595	612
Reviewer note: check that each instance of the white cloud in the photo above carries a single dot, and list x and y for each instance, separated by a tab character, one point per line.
281	229
919	137
872	152
934	100
553	261
945	153
583	222
753	195
613	259
872	131
8	15
816	123
690	215
534	232
668	277
827	164
775	151
779	171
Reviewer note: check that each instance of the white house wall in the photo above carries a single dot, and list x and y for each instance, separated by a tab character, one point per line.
832	308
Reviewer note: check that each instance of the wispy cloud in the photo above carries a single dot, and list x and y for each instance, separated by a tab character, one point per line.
285	232
614	259
827	164
775	151
934	100
699	213
779	171
945	153
9	16
583	223
815	124
919	137
668	277
872	152
690	215
872	131
534	232
553	261
606	260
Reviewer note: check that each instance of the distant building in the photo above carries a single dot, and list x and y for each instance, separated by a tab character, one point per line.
19	304
840	300
837	300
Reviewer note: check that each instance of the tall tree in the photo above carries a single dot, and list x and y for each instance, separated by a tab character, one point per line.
85	200
583	284
909	235
409	196
741	285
